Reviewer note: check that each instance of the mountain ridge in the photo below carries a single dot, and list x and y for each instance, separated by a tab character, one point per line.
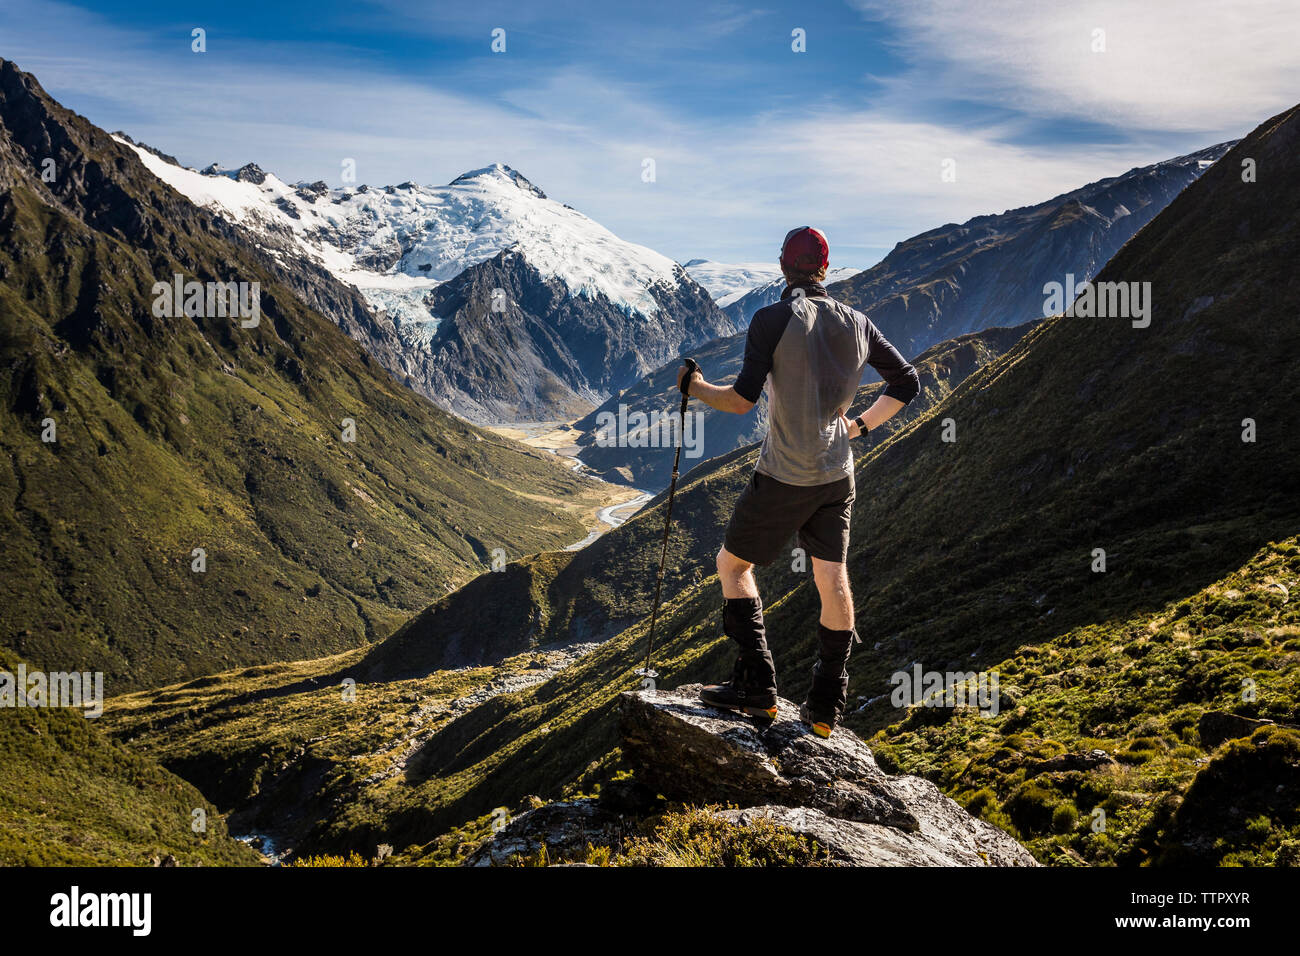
399	245
194	432
962	277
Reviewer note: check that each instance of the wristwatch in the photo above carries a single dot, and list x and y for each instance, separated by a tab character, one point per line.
862	426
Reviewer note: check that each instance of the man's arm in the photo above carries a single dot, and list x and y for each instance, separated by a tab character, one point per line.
723	398
882	410
765	330
901	382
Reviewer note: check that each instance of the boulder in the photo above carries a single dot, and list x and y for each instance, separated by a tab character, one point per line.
1081	761
832	790
691	752
955	839
1216	726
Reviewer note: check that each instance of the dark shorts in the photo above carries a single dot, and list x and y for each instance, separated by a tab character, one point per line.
769	512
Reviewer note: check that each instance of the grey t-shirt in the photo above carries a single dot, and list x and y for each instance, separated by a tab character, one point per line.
811	351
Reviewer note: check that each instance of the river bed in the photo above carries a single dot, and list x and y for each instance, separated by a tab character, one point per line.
557	438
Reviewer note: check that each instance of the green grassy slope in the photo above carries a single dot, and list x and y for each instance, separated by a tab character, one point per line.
71	796
1138	689
400	765
183	433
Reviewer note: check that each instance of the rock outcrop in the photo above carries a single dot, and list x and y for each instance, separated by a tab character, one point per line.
829	790
689	751
564	827
1216	727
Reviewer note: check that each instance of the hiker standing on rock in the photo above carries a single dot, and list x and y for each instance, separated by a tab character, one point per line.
811	352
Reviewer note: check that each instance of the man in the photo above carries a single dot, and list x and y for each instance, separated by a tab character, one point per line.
811	352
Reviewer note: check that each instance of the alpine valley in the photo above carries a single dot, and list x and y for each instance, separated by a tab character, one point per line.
337	618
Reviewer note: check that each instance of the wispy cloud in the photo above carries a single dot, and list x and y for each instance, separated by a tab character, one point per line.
1206	66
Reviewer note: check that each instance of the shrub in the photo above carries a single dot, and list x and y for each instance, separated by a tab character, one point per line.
699	837
1258	828
1288	853
1065	817
1031	808
981	800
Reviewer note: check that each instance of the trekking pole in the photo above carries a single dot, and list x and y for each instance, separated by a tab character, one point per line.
691	369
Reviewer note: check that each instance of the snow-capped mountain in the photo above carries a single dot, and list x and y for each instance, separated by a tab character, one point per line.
727	282
399	244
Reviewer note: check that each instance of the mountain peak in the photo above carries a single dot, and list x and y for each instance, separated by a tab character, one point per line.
500	172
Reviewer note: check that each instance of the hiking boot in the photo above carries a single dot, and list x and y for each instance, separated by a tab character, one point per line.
824	707
825	704
821	723
752	688
738	694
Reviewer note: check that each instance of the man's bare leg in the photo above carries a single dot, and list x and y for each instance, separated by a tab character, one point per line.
737	576
832	578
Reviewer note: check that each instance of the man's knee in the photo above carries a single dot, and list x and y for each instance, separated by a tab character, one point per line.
730	566
830	574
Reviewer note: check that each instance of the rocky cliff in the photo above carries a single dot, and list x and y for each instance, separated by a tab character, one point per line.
513	344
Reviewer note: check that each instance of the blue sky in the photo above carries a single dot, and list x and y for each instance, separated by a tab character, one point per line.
748	137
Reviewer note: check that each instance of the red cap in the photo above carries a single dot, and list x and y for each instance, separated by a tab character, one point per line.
805	249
